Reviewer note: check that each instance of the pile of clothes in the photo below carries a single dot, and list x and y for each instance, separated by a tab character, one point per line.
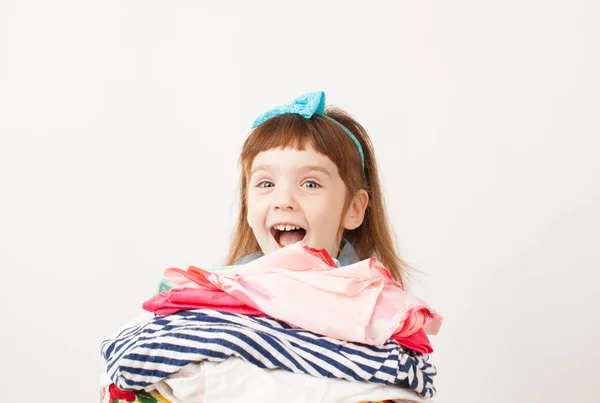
291	326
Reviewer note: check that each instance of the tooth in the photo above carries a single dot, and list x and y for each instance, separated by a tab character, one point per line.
288	227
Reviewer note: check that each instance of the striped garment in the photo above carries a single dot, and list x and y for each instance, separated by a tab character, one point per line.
143	355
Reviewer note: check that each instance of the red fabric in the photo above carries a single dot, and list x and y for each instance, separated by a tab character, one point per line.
416	341
183	299
116	393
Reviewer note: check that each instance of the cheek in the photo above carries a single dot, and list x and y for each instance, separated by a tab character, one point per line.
320	214
327	213
255	215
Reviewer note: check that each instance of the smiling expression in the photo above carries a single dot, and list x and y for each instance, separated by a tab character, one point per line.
295	195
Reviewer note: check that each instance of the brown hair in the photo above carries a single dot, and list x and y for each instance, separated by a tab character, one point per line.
373	238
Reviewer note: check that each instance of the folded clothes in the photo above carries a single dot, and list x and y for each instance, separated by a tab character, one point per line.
237	381
303	287
178	299
145	354
115	395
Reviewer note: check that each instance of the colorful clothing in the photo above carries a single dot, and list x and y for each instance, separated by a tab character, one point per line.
363	302
184	299
145	354
121	396
117	395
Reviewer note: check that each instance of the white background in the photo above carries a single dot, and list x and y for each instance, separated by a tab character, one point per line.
121	123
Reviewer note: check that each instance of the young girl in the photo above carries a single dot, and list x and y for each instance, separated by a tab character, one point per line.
309	197
304	163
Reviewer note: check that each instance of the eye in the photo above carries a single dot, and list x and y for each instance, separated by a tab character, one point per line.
311	184
265	184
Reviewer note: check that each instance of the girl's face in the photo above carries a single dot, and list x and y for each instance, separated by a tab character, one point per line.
296	196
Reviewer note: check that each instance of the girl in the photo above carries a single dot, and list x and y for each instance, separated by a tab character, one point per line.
316	168
309	198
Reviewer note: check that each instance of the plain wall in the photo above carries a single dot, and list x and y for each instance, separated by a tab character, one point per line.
121	123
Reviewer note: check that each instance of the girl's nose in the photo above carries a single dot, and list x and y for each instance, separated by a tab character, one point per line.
284	200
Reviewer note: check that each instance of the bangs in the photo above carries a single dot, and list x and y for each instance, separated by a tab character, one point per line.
297	132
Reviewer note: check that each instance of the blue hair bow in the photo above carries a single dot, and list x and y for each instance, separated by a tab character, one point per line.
308	105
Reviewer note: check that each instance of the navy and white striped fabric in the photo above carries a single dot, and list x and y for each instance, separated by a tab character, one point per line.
145	354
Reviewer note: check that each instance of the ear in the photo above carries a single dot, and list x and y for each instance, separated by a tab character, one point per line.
356	211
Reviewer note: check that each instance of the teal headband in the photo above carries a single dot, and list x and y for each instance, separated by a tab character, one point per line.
308	105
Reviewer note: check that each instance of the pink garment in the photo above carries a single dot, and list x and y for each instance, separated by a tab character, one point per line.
187	298
183	299
303	287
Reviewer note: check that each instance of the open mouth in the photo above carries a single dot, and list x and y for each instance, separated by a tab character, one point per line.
287	234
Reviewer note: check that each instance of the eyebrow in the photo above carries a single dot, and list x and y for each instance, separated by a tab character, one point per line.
316	168
305	168
259	168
